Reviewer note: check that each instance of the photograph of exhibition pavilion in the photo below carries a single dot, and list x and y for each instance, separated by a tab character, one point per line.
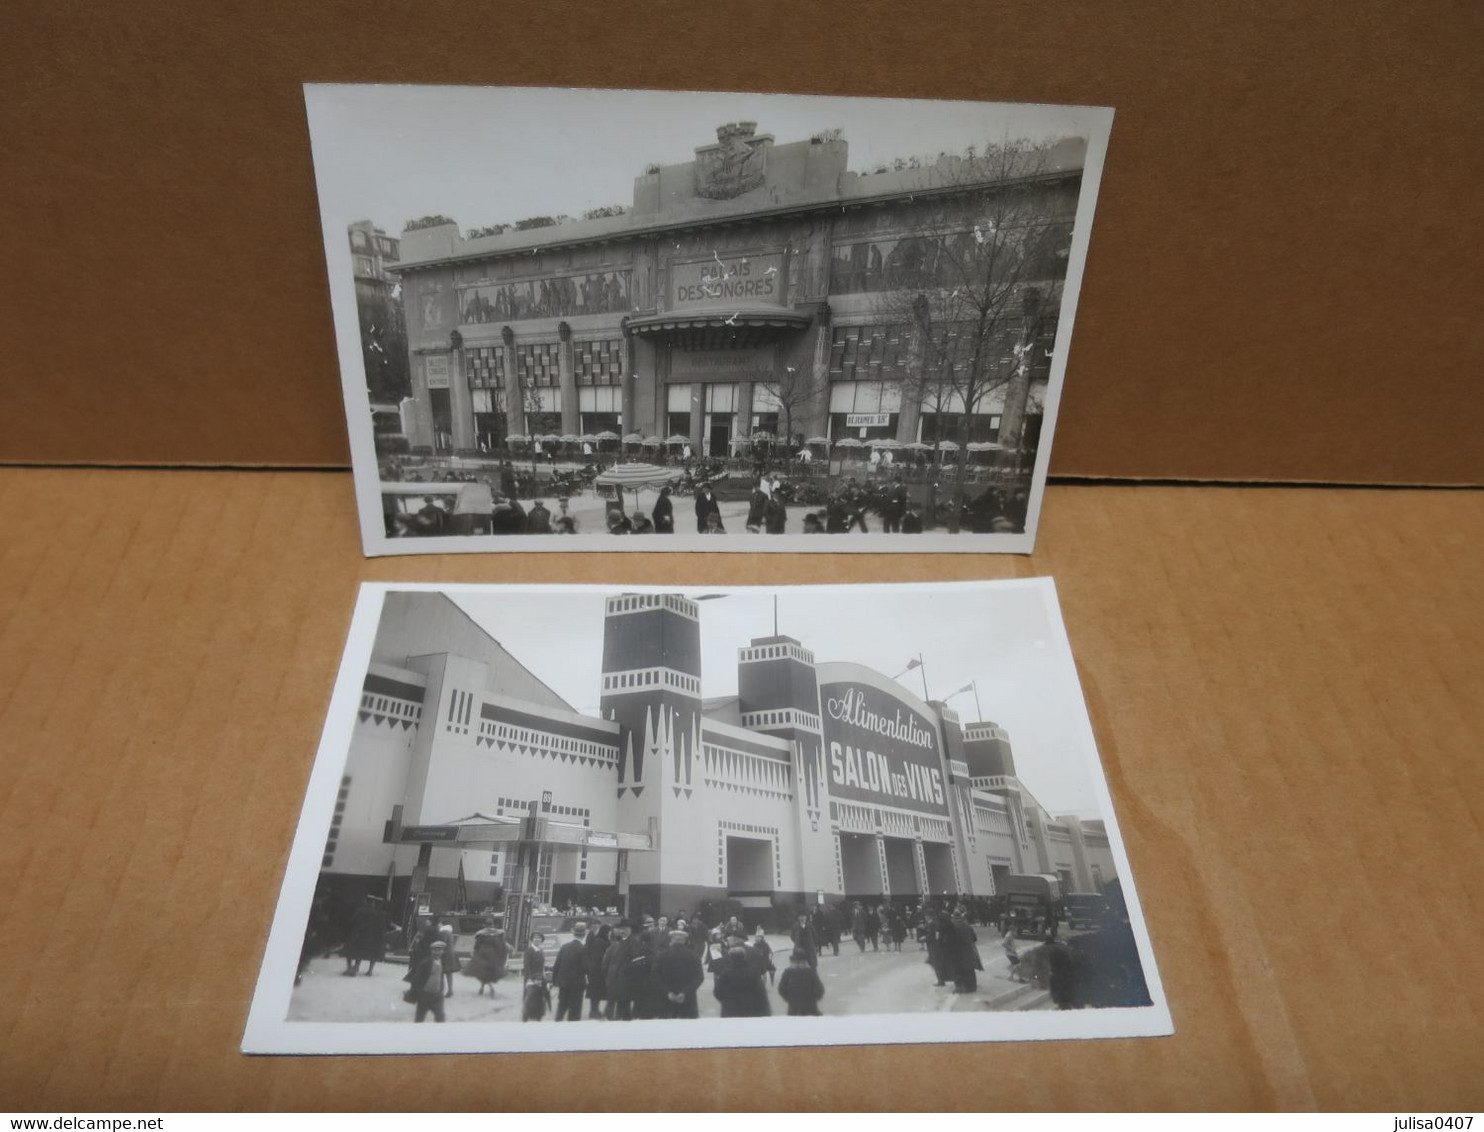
870	347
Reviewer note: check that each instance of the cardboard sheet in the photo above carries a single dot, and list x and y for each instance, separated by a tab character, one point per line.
1283	687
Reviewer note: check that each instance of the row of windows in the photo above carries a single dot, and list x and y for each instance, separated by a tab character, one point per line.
598	362
786	717
778	652
386	705
972	257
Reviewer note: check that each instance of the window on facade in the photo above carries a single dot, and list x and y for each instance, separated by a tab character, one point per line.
870	353
598	363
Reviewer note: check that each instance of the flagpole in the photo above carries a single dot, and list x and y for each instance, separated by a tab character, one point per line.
978	711
922	669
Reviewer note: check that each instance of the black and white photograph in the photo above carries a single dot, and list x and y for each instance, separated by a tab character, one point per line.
738	817
601	312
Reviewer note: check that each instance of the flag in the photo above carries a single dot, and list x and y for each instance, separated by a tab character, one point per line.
969	687
911	664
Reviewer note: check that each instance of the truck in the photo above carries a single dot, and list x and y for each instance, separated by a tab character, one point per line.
1084	909
1033	904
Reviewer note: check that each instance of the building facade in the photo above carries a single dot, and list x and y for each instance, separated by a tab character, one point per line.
761	287
817	782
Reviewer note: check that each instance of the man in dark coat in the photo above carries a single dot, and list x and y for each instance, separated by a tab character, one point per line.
676	974
538	520
775	516
706	505
426	977
629	973
739	983
664	514
569	975
367	938
598	943
806	940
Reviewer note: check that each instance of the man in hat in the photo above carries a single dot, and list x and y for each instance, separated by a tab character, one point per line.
426	979
569	975
628	971
675	975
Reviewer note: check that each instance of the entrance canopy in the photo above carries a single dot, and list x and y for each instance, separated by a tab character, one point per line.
716	326
480	831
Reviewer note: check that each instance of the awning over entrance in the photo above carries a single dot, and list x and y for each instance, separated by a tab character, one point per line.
717	326
480	831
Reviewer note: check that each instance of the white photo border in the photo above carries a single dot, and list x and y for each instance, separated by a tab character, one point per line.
1092	122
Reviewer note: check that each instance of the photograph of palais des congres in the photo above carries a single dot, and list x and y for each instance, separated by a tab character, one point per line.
816	782
875	346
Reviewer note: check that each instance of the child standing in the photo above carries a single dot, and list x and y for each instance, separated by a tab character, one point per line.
800	985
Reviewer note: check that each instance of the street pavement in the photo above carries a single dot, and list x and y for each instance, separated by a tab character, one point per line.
879	982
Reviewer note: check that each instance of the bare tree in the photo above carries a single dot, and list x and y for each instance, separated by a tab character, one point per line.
977	287
793	393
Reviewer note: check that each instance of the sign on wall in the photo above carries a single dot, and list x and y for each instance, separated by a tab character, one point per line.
881	750
743	279
753	363
436	368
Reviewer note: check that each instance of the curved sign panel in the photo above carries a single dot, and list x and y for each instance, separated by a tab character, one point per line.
881	749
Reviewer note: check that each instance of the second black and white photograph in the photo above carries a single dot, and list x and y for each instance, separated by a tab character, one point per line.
813	815
593	313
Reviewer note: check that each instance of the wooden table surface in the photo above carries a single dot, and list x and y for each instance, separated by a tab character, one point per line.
1287	686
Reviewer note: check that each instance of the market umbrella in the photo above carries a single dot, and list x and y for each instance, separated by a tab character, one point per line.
569	438
636	477
825	440
676	438
635	438
849	442
888	443
607	434
982	446
919	446
652	442
587	438
948	445
516	438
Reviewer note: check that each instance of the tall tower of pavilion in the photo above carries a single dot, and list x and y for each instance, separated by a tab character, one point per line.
652	689
778	694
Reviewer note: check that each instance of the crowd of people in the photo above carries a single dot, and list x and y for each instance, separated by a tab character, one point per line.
657	967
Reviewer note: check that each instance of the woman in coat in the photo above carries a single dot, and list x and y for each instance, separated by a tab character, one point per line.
664	514
962	954
487	964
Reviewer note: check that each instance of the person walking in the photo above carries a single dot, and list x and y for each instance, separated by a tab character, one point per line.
367	938
706	505
805	939
451	964
858	926
800	986
426	979
963	954
629	973
533	961
487	963
764	950
598	942
569	975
